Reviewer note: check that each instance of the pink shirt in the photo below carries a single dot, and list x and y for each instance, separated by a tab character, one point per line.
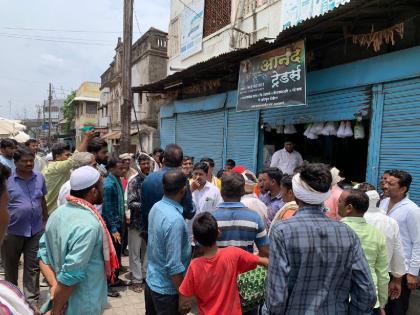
332	203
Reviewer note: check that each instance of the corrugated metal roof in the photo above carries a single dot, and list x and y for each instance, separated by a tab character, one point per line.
224	64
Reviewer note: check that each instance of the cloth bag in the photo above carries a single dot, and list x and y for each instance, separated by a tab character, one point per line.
251	287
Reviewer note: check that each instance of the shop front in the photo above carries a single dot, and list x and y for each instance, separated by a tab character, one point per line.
211	127
379	94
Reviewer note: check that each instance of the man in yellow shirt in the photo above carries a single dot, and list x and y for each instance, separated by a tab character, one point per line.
58	171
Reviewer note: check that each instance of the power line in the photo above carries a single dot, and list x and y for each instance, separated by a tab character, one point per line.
187	6
59	38
61	30
137	20
54	41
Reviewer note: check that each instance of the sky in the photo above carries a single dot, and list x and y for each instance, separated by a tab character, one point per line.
63	42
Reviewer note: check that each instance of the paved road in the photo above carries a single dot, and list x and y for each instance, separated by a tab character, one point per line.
131	303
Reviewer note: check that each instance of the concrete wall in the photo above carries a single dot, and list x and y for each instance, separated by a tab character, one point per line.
258	18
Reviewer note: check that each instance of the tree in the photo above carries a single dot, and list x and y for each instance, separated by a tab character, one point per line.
68	111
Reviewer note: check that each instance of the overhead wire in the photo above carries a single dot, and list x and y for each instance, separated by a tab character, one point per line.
77	42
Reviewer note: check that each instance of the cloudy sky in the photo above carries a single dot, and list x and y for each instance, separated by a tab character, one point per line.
63	42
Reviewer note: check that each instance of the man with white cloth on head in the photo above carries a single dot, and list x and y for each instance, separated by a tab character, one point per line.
76	254
309	257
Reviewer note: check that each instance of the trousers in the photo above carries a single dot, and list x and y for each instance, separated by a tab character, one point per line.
137	255
13	247
159	304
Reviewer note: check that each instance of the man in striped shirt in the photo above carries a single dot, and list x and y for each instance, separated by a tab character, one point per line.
239	226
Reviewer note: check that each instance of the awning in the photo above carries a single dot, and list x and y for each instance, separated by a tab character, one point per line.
113	135
116	135
361	13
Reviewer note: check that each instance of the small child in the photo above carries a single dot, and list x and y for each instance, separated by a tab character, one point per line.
212	278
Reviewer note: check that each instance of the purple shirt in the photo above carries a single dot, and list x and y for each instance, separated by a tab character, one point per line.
273	205
25	205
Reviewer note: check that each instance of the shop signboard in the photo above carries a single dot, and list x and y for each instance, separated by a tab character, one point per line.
274	79
296	11
192	28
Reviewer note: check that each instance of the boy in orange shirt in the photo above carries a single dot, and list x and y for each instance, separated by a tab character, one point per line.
212	278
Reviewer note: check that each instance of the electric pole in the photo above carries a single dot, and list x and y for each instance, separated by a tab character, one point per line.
49	115
126	77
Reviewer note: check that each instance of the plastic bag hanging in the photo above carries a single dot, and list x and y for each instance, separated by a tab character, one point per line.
326	130
307	130
348	131
333	128
279	129
341	129
359	130
317	129
289	129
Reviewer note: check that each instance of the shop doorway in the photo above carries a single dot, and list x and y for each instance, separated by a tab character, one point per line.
349	155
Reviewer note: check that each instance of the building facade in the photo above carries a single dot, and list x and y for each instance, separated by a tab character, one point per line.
86	105
149	60
373	86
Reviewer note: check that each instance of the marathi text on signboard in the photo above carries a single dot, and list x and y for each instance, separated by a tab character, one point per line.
192	28
296	11
274	79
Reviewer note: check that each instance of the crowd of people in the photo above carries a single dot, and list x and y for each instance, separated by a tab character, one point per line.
288	240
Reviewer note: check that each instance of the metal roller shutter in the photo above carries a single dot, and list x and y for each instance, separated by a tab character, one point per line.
200	134
400	138
330	106
241	138
167	131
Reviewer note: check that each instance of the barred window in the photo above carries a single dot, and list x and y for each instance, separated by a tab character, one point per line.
216	15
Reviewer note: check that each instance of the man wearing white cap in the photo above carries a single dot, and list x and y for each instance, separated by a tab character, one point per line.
76	252
316	263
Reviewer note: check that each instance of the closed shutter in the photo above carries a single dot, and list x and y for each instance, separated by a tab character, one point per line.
241	138
400	138
167	131
200	134
331	106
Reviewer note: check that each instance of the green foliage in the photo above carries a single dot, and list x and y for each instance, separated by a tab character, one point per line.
68	111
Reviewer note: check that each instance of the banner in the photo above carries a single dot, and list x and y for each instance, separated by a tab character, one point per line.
296	11
274	79
192	28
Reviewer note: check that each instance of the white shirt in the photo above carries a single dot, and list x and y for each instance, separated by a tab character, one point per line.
389	227
39	163
285	161
252	202
407	215
64	191
205	199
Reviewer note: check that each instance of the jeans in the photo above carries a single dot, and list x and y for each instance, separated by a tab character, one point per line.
13	247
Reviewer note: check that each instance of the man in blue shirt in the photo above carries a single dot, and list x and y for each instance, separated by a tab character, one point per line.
7	149
152	189
168	248
28	214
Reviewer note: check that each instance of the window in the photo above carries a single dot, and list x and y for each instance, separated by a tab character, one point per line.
216	15
91	108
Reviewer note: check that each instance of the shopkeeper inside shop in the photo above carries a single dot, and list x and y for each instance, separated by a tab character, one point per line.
344	147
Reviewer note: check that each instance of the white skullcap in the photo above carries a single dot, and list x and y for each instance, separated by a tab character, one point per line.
126	156
307	194
83	177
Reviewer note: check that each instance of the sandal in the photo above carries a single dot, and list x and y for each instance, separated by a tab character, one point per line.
137	287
